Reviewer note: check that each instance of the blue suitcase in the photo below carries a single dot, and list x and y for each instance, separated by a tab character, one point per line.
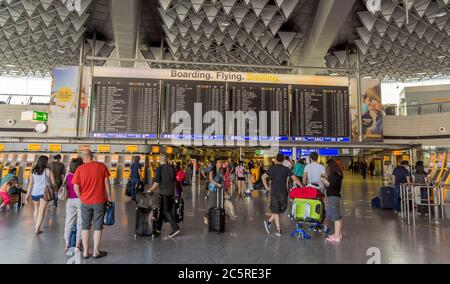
387	198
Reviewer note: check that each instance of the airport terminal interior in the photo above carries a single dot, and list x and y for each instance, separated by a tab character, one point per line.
119	116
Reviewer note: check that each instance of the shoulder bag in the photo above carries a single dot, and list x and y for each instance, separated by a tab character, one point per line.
48	191
63	192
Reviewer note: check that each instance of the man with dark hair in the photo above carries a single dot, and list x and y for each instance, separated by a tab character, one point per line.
59	171
314	172
135	175
279	176
91	185
165	183
400	175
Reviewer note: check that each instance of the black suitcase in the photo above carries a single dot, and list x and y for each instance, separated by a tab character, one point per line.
216	215
387	198
178	210
145	222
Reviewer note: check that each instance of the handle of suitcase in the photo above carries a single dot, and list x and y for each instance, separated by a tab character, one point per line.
220	198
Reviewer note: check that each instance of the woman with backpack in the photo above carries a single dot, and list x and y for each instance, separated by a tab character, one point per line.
73	206
41	179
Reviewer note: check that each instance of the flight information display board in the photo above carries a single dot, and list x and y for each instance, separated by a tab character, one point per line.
260	98
182	96
125	108
320	114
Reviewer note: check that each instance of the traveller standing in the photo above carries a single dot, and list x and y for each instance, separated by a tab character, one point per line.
279	176
41	178
388	172
299	169
73	206
314	172
363	168
180	177
165	183
287	162
372	168
216	185
421	177
91	184
241	173
189	172
333	199
135	176
59	171
401	175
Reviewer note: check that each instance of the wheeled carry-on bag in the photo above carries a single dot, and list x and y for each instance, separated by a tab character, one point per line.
145	222
308	210
387	198
216	216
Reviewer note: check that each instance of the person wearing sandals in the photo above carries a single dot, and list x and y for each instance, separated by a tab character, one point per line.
73	206
333	199
41	177
91	184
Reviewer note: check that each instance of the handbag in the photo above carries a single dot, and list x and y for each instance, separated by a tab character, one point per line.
63	192
128	189
212	187
148	201
48	191
109	219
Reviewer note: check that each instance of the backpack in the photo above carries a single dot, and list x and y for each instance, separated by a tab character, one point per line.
181	176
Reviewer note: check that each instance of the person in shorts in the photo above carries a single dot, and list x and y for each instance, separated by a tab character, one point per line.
333	199
91	184
279	195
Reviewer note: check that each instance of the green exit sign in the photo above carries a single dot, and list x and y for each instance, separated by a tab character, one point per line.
259	152
40	116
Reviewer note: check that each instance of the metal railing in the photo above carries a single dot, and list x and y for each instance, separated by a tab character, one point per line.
411	199
422	109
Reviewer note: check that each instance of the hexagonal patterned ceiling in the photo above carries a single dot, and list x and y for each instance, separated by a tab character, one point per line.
402	39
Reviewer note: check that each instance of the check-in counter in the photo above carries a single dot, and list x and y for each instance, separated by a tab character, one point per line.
31	158
126	171
114	169
8	164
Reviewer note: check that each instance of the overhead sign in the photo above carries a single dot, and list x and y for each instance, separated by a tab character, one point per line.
2	147
131	149
34	147
104	148
54	147
37	116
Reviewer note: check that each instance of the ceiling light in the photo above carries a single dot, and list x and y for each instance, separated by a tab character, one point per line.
441	56
225	24
334	74
10	66
373	62
441	13
60	51
422	73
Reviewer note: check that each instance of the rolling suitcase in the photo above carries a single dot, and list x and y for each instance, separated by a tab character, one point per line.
216	217
145	222
178	210
387	198
308	210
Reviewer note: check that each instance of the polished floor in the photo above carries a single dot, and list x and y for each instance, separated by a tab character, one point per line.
245	240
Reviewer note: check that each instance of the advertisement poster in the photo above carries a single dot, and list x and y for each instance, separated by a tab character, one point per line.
372	110
64	102
354	114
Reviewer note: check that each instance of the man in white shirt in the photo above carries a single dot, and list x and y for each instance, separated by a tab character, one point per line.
314	172
287	162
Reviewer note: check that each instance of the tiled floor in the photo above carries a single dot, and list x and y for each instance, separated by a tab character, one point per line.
245	241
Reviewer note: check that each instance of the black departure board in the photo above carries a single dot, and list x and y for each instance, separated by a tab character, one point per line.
183	96
320	113
125	108
262	98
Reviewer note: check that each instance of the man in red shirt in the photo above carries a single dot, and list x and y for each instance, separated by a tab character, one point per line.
91	184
